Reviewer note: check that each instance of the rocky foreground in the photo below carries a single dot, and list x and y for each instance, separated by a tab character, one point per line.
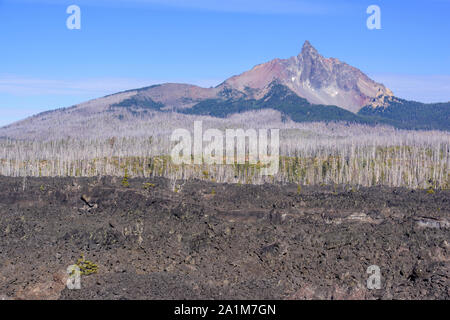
196	240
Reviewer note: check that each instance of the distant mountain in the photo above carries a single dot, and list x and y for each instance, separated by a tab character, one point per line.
307	87
319	80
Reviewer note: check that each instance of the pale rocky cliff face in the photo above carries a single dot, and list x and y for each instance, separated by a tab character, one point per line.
318	79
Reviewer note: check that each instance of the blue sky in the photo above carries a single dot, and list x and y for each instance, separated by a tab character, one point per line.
134	43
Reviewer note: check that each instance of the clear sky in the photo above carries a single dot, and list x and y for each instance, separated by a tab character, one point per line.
125	44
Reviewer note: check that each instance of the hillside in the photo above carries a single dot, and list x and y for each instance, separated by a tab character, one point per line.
411	114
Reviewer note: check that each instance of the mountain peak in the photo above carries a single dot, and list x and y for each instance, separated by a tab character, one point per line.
311	76
308	48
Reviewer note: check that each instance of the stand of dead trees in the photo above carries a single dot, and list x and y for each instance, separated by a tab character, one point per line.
310	155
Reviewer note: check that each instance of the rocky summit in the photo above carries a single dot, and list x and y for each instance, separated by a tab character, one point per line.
318	79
